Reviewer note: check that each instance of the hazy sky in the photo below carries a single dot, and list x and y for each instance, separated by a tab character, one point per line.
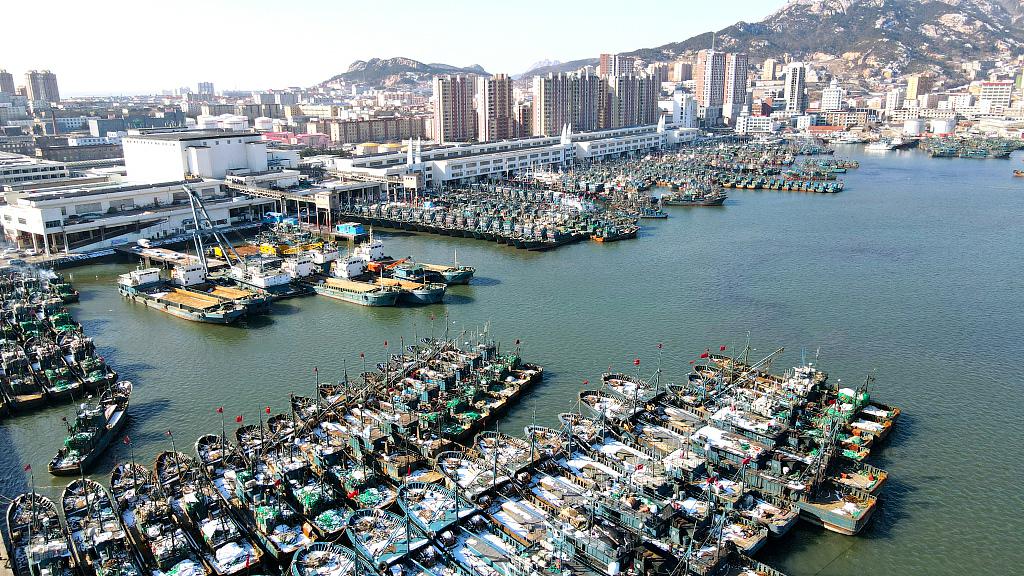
140	46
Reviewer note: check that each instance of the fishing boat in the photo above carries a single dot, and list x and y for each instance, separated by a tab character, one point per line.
327	559
431	507
39	545
607	406
205	517
95	425
98	538
778	516
471	474
381	537
310	494
47	364
19	386
547	442
149	521
262	501
695	199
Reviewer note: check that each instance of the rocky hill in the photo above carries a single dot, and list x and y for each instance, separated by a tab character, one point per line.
398	72
867	36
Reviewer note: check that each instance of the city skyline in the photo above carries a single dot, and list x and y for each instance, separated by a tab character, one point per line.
570	32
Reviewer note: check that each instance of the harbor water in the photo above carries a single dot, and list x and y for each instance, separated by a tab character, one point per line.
912	273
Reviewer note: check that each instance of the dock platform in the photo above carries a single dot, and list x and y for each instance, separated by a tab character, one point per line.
168	257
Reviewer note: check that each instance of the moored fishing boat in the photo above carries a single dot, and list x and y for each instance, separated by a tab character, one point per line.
431	507
150	524
327	559
98	538
39	545
90	434
381	537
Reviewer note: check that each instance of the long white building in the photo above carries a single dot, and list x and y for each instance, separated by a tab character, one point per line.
435	167
86	218
172	156
151	203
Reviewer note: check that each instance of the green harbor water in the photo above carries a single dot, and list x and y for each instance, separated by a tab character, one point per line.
913	272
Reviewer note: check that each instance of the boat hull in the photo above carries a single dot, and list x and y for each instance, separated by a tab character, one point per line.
362	299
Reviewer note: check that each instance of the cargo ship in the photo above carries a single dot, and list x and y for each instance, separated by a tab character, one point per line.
343	284
145	285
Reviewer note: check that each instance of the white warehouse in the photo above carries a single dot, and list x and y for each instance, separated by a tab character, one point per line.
173	156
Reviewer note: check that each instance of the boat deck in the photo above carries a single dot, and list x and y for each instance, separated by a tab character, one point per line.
435	267
229	293
404	284
193	299
351	285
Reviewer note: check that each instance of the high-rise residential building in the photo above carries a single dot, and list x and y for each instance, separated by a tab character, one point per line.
523	123
632	100
998	93
680	71
494	102
454	117
833	98
735	89
658	70
615	65
575	99
894	99
205	88
42	86
709	83
917	85
7	83
768	69
796	88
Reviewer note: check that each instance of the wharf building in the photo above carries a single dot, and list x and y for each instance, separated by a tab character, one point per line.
150	202
442	166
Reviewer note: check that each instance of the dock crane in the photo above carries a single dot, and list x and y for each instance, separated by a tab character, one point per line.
204	226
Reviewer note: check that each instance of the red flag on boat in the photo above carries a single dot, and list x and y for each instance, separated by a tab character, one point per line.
28	467
268	409
721	348
585	382
636	361
220	409
361	355
704	354
746	461
315	369
385	343
692	362
238	419
639	466
246	561
127	440
277	482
